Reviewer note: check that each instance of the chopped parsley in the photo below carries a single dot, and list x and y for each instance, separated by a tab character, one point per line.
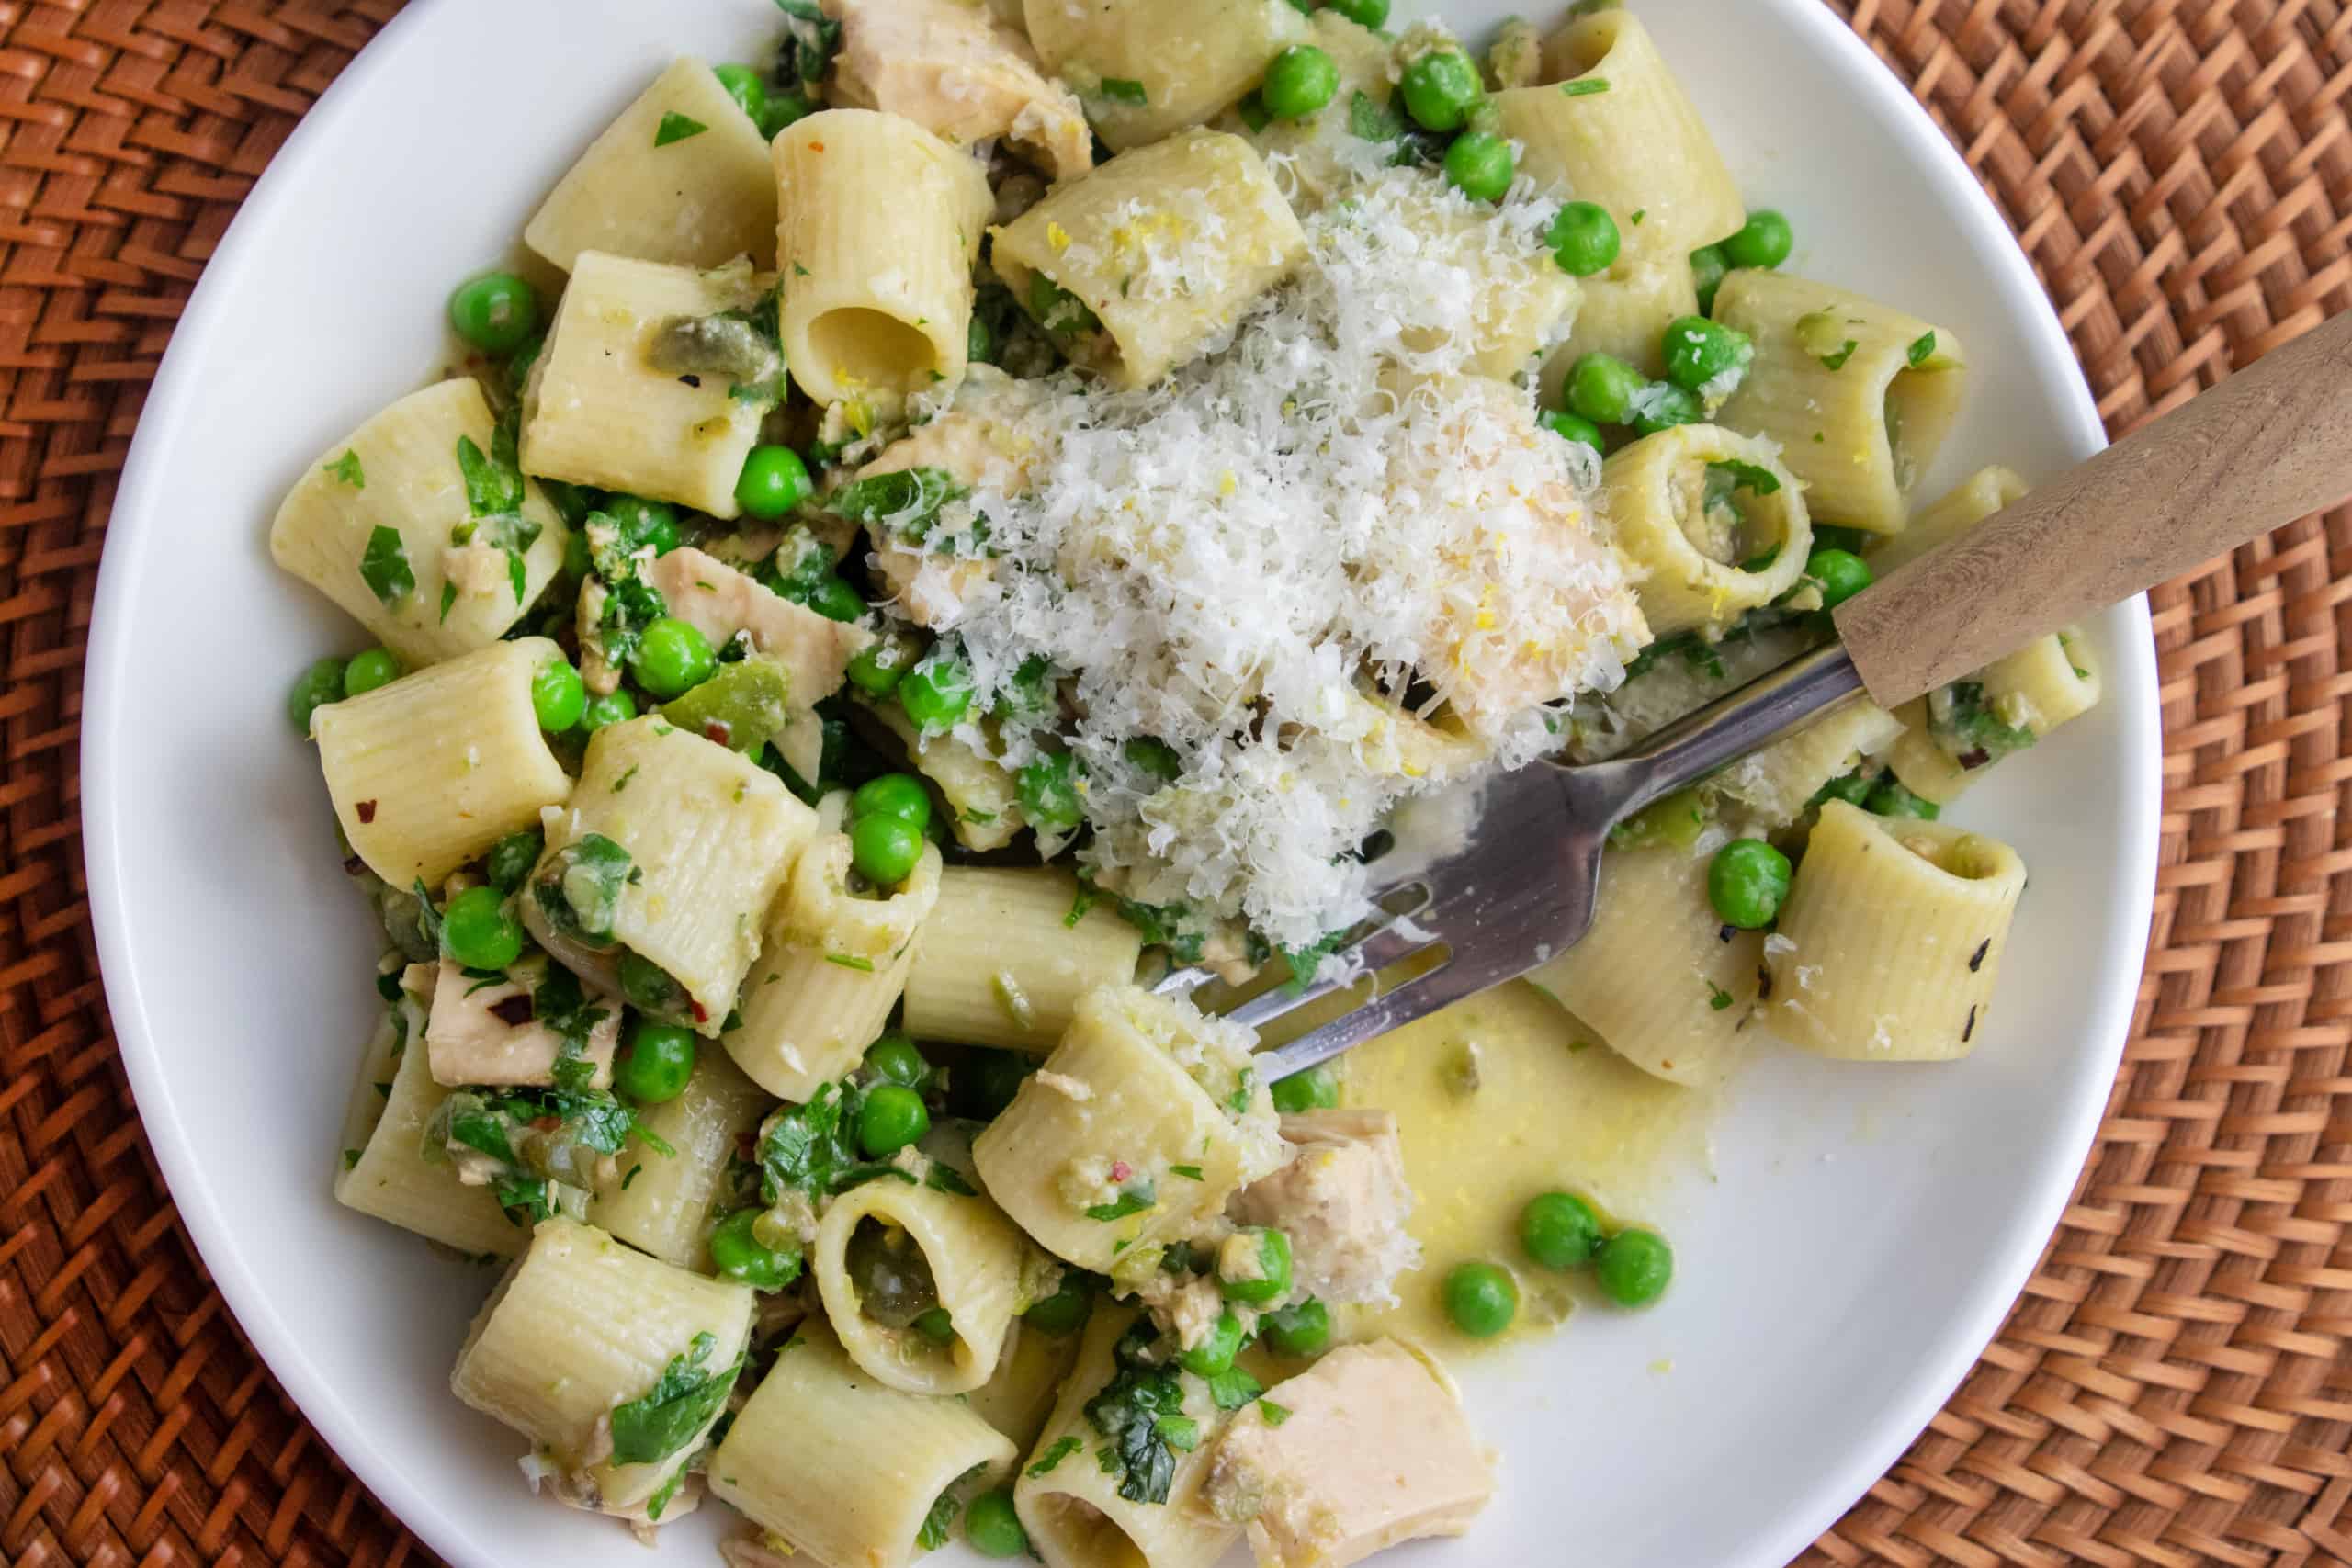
942	1178
851	961
1275	1415
811	39
1189	1173
631	603
383	566
675	127
346	469
1585	89
812	1149
1140	1414
1233	1388
680	1402
1238	1101
580	891
1921	350
1063	1447
1123	90
1717	997
906	501
1368	119
1968	727
1133	1199
1737	475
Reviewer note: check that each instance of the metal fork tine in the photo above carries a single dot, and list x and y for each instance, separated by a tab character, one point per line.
1460	975
1383	947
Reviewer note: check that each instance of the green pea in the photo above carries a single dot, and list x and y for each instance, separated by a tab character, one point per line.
648	986
1667	406
512	858
640	522
936	694
1584	239
1888	797
1302	1329
1066	1311
1155	757
479	931
1059	311
1048	790
1765	241
1364	12
1479	165
991	1080
377	666
1438	89
1216	1350
737	1253
313	689
891	1118
1272	1280
659	1061
835	600
557	696
1745	882
1559	1229
784	108
1708	265
893	795
743	85
1481	1299
672	658
885	850
494	313
993	1527
1602	387
1316	1088
1634	1267
881	664
895	1059
936	1326
1299	79
773	483
1571	427
613	707
1698	350
1840	573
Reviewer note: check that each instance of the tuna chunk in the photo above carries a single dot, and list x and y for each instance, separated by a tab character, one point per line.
483	1031
1342	1201
1374	1451
958	72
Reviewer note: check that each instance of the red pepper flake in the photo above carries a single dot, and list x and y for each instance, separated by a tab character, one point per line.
545	1124
719	730
514	1011
816	147
1121	1170
701	1016
366	810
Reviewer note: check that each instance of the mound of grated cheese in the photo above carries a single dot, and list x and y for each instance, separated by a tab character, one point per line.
1238	562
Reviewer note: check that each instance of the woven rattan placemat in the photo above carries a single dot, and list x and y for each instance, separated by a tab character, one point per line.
2175	1385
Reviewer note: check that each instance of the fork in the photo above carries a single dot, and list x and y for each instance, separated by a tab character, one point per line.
2267	446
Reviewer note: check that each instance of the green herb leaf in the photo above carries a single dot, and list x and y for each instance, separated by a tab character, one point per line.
1585	89
811	39
1717	997
383	566
943	1178
348	469
1233	1388
449	598
906	502
579	890
675	127
1746	476
1275	1415
1063	1447
850	961
680	1402
1140	1412
1122	90
1133	1198
1189	1173
491	487
1922	350
1837	361
1372	121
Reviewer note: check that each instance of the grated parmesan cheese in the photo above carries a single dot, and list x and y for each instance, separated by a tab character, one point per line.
1252	560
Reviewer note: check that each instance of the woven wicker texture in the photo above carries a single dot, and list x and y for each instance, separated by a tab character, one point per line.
2174	1386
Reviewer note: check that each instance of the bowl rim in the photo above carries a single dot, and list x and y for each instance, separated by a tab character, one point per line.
140	500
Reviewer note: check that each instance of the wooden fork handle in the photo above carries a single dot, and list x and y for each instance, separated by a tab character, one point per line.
2271	443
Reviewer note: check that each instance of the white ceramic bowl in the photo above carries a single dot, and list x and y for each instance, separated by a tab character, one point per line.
1861	1229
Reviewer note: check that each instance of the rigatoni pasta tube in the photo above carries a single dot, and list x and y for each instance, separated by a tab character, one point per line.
1029	1374
1659	975
973	1255
1891	938
429	772
833	964
1954	733
1695	504
383	1171
584	1325
1769	789
844	1468
600	407
385	500
660	1204
673	851
877	224
1318	160
1858	395
1164	247
1971	501
1008	953
1610	124
983	796
1145	68
682	176
1069	1503
1143	1122
1624	314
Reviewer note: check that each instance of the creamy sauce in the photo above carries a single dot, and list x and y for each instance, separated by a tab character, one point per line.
1497	1099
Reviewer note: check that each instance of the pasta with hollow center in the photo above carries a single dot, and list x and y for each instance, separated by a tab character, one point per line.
940	607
